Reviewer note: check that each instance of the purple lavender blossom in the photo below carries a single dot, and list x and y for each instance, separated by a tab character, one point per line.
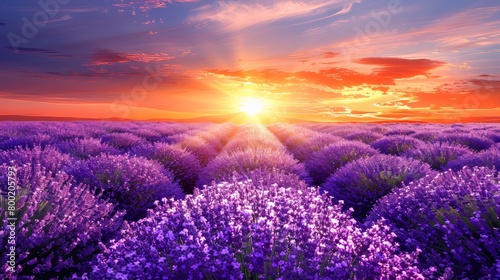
396	145
488	158
132	183
325	162
200	148
452	217
147	133
49	158
426	136
362	182
27	142
366	137
302	142
225	165
249	230
184	166
473	141
438	154
400	131
86	148
58	226
122	141
253	137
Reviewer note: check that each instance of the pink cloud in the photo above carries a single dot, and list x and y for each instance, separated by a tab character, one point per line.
240	14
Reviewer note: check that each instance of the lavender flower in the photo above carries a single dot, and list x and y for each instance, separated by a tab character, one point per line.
148	134
219	135
184	166
474	142
452	217
207	144
86	148
168	129
400	131
253	137
226	164
437	155
366	137
122	141
302	142
249	230
132	183
488	158
362	182
27	142
48	157
58	226
396	145
325	162
200	148
426	136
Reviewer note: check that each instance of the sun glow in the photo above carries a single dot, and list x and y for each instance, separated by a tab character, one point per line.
252	106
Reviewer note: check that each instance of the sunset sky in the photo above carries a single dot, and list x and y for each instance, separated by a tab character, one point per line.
328	60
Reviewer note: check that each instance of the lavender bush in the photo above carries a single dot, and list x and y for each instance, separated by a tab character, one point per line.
85	148
325	162
366	137
253	138
426	136
302	142
132	183
27	142
302	151
200	148
474	142
58	226
168	129
378	129
48	157
122	141
225	165
453	218
184	166
247	230
362	182
396	145
400	131
207	144
488	158
219	135
493	136
148	134
437	155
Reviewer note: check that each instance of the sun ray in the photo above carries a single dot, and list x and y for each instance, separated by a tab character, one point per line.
252	106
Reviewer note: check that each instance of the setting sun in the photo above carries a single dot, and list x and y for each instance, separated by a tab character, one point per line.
252	106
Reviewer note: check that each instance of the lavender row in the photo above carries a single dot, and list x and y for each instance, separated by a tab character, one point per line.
251	147
384	208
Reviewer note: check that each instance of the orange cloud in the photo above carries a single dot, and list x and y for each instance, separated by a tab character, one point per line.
330	77
330	54
397	68
471	100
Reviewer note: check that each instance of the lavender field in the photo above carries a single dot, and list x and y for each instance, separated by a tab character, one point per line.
143	200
